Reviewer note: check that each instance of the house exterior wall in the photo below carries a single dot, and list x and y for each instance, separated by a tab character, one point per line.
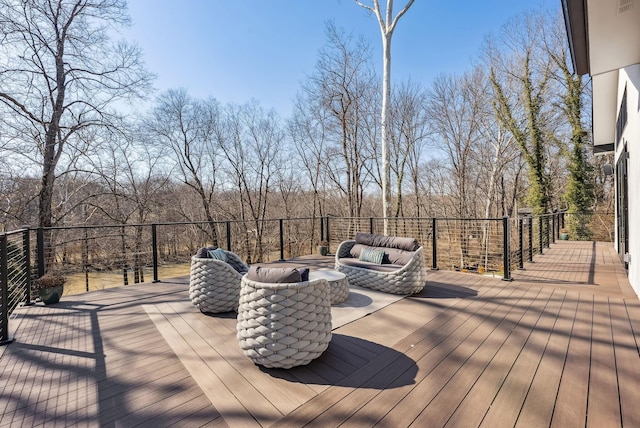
629	77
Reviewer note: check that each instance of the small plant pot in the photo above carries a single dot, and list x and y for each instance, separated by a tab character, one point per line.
323	250
564	236
51	295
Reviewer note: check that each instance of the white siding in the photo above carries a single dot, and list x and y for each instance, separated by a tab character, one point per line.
630	77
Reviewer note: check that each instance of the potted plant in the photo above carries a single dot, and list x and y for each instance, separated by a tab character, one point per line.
564	234
50	287
323	248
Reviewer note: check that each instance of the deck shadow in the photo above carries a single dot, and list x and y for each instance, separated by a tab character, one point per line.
336	366
436	290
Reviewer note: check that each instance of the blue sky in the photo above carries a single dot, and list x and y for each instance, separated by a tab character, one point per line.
235	50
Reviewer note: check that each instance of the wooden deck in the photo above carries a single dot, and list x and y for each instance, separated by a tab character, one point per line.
558	346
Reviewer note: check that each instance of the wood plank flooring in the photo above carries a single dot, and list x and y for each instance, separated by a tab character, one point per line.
558	346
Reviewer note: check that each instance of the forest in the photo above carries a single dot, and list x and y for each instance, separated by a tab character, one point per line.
511	135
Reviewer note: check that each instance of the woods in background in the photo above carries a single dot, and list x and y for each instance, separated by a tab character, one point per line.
509	134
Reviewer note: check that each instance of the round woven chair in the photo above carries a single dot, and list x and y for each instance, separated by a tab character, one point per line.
283	325
214	285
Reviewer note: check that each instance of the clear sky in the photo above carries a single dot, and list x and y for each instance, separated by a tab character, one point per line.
235	50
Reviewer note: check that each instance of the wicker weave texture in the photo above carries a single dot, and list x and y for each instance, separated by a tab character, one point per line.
410	279
284	325
339	290
214	286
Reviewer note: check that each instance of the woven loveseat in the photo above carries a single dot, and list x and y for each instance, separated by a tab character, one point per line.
384	263
214	284
286	323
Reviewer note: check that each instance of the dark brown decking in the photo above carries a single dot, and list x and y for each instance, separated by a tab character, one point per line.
558	346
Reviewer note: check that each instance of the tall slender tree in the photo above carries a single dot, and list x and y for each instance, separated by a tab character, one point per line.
387	25
579	194
520	85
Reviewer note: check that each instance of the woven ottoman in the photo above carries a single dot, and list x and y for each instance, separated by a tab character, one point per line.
283	325
338	284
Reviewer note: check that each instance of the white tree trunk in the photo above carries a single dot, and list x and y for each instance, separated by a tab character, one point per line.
384	132
387	25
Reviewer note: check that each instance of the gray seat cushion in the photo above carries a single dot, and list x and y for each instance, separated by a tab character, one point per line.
368	265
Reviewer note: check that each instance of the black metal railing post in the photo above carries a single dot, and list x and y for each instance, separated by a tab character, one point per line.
505	246
562	219
322	229
370	224
26	254
40	251
328	232
85	258
553	228
281	226
530	224
4	292
548	230
228	230
434	245
540	237
154	251
521	243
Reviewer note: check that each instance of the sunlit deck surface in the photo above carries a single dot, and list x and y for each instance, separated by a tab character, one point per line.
558	346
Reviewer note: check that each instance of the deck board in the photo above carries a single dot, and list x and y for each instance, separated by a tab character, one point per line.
436	367
474	406
603	406
557	346
539	403
627	367
489	338
571	399
509	400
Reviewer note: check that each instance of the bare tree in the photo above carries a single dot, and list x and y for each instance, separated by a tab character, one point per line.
308	130
252	141
340	91
454	110
132	173
188	127
59	74
387	26
408	137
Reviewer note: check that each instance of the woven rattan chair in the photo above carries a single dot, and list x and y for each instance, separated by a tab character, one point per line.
283	325
409	279
214	285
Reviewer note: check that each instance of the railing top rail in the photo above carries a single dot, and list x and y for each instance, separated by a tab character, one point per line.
13	232
174	223
420	218
221	222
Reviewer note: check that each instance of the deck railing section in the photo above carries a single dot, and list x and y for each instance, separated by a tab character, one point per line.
15	276
111	255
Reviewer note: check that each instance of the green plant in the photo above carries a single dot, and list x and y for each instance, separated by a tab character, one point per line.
48	280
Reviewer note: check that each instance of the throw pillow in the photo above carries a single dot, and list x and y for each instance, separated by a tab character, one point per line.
218	254
203	253
372	255
304	274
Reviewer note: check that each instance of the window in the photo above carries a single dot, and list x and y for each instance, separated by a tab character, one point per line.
622	117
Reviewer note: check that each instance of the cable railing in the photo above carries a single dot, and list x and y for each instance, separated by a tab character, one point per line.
15	276
97	257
